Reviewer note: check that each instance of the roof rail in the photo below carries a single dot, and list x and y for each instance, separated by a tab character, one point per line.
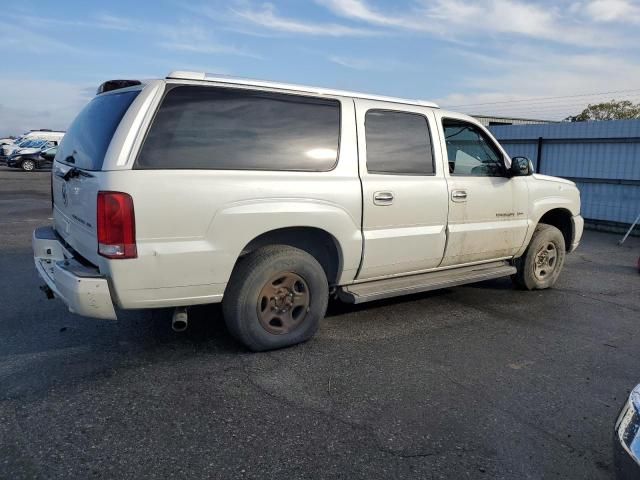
208	77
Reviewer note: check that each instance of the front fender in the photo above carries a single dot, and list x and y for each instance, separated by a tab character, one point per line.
546	196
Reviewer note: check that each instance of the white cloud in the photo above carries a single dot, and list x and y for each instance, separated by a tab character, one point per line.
192	38
360	10
611	11
457	19
379	64
15	38
29	104
112	22
266	17
574	77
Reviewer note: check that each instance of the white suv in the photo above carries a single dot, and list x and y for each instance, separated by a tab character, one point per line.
270	197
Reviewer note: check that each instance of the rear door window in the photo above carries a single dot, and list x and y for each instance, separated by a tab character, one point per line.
87	139
398	143
199	127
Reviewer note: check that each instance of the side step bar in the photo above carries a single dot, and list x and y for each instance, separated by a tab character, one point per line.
423	282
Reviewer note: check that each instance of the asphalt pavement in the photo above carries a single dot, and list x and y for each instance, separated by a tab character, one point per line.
480	381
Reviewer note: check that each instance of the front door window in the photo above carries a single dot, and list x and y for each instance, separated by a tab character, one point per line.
470	152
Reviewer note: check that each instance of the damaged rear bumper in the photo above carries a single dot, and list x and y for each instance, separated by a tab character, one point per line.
80	287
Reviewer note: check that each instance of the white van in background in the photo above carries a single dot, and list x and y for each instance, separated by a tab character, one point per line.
42	134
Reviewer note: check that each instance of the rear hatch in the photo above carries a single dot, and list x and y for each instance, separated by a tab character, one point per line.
77	172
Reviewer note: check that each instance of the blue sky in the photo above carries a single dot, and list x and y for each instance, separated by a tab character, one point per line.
479	57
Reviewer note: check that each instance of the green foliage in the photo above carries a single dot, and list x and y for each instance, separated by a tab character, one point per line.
613	110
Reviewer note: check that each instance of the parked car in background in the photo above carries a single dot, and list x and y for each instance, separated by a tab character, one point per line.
626	438
27	146
37	146
8	150
37	160
317	192
32	139
7	141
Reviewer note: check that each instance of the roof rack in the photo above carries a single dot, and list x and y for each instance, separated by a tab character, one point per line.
208	77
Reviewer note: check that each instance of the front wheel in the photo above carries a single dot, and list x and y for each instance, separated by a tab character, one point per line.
275	298
28	165
540	265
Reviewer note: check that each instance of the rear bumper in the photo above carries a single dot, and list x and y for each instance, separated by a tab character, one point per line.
577	224
80	287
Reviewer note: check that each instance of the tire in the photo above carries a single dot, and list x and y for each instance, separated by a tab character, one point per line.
540	265
28	165
275	298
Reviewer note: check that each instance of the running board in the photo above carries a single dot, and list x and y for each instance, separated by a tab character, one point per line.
392	287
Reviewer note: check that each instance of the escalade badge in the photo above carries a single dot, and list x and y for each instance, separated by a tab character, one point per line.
65	200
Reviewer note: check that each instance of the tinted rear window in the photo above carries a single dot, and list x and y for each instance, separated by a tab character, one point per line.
398	143
232	129
87	139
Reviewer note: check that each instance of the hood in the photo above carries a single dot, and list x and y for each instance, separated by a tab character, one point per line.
549	178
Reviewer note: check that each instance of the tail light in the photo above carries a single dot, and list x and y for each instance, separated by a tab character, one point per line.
116	225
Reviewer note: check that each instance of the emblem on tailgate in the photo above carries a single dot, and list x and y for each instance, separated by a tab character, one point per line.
65	200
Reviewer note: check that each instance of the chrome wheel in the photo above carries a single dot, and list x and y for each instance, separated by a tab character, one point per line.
283	303
546	260
28	165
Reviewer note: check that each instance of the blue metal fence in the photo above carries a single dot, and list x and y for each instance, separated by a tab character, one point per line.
603	158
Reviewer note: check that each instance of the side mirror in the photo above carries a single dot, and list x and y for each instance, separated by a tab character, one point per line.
521	167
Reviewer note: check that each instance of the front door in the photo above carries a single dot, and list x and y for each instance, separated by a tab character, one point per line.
403	187
488	211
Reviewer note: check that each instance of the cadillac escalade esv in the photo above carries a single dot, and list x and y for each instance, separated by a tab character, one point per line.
271	197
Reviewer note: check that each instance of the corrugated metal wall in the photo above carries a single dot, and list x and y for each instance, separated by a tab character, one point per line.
603	158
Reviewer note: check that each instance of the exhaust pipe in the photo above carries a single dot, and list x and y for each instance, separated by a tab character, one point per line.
180	320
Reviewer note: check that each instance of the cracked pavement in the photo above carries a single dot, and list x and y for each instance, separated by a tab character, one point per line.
480	381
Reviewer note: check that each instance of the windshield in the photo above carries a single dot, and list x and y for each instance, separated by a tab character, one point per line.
87	139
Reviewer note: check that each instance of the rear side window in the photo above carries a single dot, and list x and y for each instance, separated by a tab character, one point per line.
398	143
232	129
87	139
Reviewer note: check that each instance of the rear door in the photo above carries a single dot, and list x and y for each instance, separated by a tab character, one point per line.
77	169
404	189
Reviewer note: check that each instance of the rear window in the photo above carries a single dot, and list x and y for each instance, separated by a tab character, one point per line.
87	139
232	129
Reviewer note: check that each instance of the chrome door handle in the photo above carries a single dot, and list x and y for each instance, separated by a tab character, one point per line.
459	195
383	198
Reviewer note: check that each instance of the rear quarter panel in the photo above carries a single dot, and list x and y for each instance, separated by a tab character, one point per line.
191	225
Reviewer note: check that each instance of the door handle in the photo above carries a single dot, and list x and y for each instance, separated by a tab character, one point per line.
459	195
383	198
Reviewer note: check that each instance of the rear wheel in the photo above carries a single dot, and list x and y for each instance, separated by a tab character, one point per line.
28	165
540	265
276	297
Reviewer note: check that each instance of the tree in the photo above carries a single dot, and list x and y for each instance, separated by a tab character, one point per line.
613	110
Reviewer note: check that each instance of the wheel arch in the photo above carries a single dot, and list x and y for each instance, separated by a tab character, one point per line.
318	243
561	219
